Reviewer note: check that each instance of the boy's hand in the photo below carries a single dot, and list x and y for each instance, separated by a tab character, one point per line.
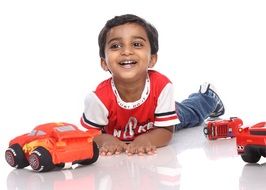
141	146
148	142
109	145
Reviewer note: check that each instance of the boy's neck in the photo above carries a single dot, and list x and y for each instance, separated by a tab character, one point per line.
130	91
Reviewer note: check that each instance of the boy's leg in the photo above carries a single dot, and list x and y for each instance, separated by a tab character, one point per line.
199	106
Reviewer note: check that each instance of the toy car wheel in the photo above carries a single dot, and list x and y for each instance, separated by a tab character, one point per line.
94	158
41	160
250	156
15	156
205	131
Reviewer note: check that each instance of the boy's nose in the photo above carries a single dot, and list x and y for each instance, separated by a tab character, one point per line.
127	50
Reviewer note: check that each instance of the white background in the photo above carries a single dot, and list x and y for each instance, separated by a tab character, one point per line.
49	56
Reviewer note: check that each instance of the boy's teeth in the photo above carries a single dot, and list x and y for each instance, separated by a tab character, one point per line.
127	62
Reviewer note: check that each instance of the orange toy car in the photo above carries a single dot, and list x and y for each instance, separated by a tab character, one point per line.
52	144
222	128
251	142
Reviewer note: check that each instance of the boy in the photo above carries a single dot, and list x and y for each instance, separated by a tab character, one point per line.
135	108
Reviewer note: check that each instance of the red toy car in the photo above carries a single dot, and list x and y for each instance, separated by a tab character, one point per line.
251	142
52	144
222	128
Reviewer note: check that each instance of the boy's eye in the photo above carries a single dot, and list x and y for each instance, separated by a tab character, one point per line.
137	44
115	46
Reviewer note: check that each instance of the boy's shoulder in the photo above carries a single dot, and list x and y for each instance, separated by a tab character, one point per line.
104	86
158	82
158	77
104	91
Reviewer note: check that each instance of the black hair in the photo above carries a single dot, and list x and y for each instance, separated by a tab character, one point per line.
128	18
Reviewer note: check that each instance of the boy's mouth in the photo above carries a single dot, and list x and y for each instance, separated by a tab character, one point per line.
127	62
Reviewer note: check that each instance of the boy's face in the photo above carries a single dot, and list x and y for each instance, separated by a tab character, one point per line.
128	53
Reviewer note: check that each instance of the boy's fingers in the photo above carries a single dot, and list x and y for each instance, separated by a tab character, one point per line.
151	150
130	150
109	153
108	150
102	152
140	151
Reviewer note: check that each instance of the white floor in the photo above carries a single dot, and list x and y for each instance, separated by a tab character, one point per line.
190	162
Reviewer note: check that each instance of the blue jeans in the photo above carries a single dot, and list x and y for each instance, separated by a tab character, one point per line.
194	110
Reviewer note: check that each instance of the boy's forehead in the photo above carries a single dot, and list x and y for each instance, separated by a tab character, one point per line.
127	30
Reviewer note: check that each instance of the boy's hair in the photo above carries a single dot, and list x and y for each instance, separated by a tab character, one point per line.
128	18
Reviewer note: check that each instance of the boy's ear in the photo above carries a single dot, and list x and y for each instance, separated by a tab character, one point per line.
153	60
104	65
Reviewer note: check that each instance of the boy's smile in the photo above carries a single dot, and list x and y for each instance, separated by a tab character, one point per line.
127	64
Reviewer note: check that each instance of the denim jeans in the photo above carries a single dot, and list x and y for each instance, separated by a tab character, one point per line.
194	110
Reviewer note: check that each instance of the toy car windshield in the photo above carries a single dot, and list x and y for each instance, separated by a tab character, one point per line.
36	133
65	128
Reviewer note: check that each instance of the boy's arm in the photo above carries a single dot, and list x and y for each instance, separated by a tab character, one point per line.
148	142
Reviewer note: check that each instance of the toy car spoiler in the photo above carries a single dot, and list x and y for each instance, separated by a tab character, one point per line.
76	134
